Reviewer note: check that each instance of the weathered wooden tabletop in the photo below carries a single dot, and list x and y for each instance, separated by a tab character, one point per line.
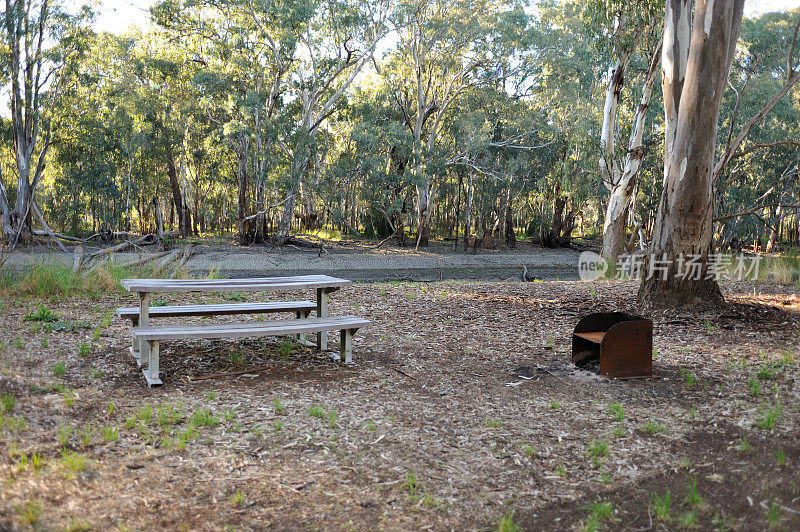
257	284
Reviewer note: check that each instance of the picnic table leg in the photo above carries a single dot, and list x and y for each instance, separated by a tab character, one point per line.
135	344
144	321
346	348
322	312
151	373
301	315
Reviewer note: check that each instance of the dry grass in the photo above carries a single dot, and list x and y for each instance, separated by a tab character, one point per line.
432	428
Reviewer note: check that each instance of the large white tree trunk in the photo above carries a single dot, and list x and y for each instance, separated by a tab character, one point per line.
683	226
609	168
674	60
315	109
622	181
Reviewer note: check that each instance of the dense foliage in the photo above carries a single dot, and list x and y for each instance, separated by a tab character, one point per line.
471	120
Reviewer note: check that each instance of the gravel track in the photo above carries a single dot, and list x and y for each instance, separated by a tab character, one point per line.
362	263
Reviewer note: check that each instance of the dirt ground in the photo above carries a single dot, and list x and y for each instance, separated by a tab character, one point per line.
434	428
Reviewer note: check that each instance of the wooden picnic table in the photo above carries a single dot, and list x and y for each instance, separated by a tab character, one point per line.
323	284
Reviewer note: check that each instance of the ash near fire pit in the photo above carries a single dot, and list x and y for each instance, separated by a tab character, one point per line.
619	344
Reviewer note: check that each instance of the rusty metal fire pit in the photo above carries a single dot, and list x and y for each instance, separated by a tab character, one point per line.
623	344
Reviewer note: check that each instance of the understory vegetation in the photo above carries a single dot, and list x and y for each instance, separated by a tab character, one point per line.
52	279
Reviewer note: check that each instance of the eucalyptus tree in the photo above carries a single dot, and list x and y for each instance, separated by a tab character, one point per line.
499	144
100	138
166	91
242	68
336	42
42	41
376	154
83	159
443	49
781	36
756	170
116	62
287	66
697	61
697	55
562	81
628	28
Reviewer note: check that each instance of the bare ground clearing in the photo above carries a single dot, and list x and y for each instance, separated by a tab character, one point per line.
433	428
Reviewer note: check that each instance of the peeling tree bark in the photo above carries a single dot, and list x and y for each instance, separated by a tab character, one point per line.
25	37
621	181
674	60
616	80
683	225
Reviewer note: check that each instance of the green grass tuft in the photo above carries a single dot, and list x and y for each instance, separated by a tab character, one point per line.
598	512
316	411
598	449
618	410
110	434
507	523
203	417
7	401
46	279
31	513
42	314
279	406
169	415
651	427
780	456
692	496
770	418
84	349
72	463
661	507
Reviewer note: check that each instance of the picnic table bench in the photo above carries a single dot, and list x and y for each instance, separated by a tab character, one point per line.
146	339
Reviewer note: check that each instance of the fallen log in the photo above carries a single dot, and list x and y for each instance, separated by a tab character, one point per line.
115	249
169	258
141	260
77	258
172	256
119	234
146	240
165	256
47	228
187	252
297	241
61	237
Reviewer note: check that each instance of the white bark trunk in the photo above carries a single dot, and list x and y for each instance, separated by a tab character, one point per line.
684	223
674	60
623	183
609	168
